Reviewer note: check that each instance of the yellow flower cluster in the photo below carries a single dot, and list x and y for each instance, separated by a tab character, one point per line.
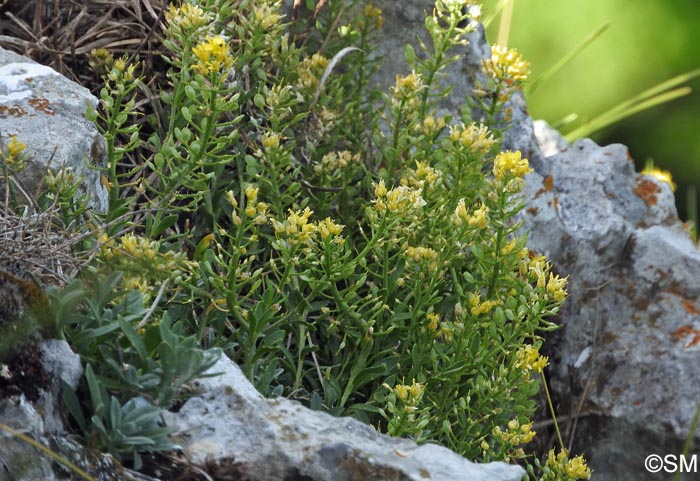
374	13
266	15
213	55
270	140
561	468
433	321
432	126
297	227
506	64
510	163
327	228
423	254
136	247
528	359
556	287
405	92
13	157
310	70
409	395
478	307
478	138
255	209
477	219
402	199
334	161
516	434
186	18
424	175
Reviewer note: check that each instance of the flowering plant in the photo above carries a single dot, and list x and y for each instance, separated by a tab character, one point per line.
364	264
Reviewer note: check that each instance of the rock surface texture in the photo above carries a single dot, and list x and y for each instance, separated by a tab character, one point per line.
46	112
625	362
278	439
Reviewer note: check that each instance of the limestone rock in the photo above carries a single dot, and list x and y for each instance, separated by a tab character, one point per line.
46	112
278	439
626	358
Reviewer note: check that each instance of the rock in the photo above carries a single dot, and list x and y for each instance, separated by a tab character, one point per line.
46	112
626	359
278	439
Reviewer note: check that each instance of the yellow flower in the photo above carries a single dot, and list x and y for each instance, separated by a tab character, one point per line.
570	469
421	254
510	163
477	137
15	147
506	64
309	70
213	55
370	11
327	228
426	173
296	226
478	307
662	175
379	189
478	218
270	141
185	17
460	214
556	287
251	193
409	83
528	359
266	15
434	321
403	199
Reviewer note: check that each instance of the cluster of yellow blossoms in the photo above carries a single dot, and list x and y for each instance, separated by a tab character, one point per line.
477	219
310	70
506	64
510	163
561	468
13	155
410	396
213	55
297	228
528	359
402	199
516	433
478	307
334	161
555	285
374	13
478	138
185	18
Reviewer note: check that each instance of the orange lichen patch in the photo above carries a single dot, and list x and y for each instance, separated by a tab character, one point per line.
532	211
548	183
690	307
42	105
647	190
555	202
686	331
11	111
424	473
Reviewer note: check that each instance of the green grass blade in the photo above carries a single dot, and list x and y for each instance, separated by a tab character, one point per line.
506	22
617	114
551	71
491	16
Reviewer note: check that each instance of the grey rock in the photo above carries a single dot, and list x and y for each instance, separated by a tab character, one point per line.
278	439
626	359
60	364
46	111
19	460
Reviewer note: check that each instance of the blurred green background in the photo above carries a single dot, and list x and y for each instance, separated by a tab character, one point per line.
648	41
